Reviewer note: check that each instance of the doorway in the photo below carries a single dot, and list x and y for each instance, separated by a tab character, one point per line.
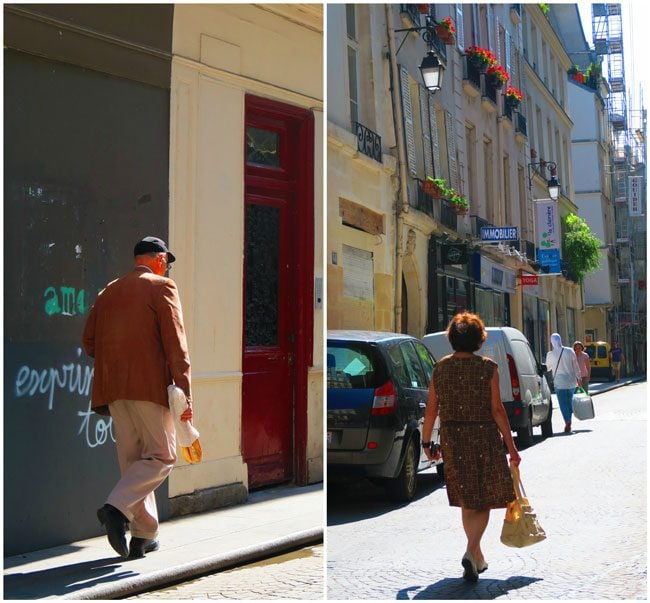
278	290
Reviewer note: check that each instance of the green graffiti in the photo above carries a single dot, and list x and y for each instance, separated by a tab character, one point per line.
67	301
52	304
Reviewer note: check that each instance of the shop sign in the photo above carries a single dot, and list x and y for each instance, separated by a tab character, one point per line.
635	195
496	276
454	254
550	261
496	234
548	225
529	279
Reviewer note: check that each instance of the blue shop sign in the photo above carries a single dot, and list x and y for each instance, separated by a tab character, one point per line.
496	233
549	260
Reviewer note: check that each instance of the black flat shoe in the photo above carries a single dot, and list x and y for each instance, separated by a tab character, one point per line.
115	523
139	546
470	574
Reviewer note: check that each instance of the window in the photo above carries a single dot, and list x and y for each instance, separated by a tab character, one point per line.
358	273
425	358
470	154
417	378
506	190
488	161
354	365
353	51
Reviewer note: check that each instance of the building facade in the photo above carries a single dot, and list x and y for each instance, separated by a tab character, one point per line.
201	124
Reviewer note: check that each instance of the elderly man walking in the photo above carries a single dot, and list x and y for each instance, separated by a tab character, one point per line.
136	335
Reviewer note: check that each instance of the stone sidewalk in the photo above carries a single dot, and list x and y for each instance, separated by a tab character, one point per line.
270	522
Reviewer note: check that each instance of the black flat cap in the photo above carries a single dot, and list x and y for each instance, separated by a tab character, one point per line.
153	244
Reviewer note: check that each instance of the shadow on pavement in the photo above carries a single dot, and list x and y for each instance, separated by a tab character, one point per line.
98	571
457	588
363	499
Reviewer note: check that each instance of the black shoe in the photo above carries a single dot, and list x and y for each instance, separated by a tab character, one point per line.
115	523
139	546
471	573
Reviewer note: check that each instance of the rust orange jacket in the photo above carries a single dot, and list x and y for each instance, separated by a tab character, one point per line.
135	334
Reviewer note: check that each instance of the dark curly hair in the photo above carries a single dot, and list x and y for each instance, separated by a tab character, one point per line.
466	332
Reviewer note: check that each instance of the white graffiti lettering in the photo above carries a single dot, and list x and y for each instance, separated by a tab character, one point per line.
73	377
103	428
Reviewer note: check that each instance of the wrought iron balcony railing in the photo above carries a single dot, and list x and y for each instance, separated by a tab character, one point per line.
472	73
508	112
521	124
368	142
527	247
423	202
448	216
412	11
491	92
477	224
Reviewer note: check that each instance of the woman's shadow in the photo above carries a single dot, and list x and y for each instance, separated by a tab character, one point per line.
457	588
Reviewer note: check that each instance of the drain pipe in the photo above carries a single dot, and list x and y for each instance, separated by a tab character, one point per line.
401	202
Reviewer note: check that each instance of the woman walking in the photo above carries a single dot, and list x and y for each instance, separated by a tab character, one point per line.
584	364
563	363
464	391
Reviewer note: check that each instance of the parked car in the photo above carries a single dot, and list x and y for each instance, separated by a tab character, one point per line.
601	365
377	390
524	392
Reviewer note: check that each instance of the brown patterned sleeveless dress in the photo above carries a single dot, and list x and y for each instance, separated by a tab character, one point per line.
476	466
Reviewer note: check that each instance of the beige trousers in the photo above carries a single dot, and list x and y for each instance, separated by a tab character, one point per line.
146	452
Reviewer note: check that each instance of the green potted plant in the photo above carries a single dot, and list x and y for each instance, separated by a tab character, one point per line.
445	30
436	187
480	58
459	204
497	76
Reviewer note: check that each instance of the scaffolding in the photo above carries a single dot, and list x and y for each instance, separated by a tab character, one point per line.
628	160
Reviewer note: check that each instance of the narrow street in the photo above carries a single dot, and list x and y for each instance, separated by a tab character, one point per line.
297	575
588	489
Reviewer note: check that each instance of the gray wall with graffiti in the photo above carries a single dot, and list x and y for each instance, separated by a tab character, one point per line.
85	176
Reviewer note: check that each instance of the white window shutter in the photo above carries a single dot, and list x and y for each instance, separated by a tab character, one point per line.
498	43
451	150
407	110
490	27
435	143
426	131
358	273
460	28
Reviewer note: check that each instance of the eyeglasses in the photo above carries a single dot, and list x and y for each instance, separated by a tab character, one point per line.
166	262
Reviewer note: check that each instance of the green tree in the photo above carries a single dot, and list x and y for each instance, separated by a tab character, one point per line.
580	248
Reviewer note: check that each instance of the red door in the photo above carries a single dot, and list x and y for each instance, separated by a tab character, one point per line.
278	201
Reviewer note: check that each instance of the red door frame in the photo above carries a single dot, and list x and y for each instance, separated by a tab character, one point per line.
303	121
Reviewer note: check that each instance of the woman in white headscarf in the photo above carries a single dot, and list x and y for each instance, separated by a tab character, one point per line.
563	363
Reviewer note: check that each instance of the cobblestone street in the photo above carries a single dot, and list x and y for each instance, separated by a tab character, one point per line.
297	575
588	489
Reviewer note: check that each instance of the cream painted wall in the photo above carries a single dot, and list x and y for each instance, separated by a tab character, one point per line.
221	53
357	178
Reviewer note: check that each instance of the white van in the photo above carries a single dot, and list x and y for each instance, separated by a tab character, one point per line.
524	392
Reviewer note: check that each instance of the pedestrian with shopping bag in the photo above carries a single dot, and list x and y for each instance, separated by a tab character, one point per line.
562	362
464	392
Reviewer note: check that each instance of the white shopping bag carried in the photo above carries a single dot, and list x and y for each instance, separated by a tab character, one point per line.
583	406
187	436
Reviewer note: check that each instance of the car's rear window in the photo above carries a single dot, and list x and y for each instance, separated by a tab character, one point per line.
591	350
354	365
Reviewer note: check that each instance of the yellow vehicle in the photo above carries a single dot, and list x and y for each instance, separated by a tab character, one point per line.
601	365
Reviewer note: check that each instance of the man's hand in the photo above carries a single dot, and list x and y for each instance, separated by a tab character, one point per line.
187	414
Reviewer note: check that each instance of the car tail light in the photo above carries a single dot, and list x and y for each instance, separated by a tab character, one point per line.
385	400
372	445
514	378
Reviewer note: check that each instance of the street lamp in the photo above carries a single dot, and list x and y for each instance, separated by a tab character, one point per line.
431	68
552	182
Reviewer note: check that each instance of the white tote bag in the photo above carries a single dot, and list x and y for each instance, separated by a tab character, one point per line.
583	407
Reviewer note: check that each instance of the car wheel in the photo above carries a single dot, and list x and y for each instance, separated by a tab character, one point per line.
547	425
402	488
525	434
